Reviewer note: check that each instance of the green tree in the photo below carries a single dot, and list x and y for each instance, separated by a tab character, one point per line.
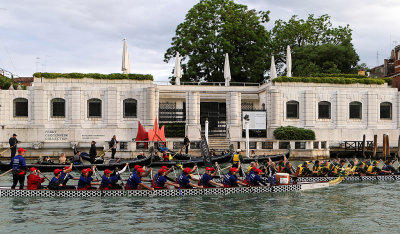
316	45
326	58
215	27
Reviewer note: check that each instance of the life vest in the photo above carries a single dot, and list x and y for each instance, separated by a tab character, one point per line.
236	158
300	171
370	169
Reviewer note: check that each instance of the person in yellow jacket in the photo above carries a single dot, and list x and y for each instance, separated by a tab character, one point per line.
237	160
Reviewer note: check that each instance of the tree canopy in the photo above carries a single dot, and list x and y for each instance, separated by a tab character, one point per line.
316	45
215	27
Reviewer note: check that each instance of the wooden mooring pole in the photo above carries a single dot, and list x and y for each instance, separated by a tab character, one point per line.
363	146
376	145
387	146
398	147
384	146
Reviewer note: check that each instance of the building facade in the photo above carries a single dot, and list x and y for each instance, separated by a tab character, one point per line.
58	113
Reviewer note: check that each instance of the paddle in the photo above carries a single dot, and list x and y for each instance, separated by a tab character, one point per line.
8	148
5	173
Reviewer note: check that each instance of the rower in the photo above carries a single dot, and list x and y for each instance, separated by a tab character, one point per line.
55	182
105	180
18	169
115	177
86	181
66	176
303	170
184	179
34	180
253	178
250	167
230	179
389	167
206	179
236	160
168	170
160	180
135	181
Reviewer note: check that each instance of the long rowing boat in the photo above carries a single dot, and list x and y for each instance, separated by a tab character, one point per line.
7	192
51	167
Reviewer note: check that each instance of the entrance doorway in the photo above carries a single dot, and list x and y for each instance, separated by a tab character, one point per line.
215	112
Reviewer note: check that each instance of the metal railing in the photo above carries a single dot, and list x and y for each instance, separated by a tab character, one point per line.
210	83
7	74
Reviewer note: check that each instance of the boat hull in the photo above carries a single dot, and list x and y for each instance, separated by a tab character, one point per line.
6	192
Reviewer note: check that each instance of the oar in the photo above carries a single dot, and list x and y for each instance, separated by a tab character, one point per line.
104	152
8	149
5	173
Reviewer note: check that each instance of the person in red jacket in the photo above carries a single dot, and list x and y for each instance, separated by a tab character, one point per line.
34	180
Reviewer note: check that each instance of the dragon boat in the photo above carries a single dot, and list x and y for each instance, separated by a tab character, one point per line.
294	187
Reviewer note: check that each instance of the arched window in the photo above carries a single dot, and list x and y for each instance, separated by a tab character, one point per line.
292	109
355	110
57	108
324	110
130	108
20	107
94	108
386	110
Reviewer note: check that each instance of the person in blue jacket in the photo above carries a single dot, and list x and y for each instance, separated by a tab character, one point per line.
18	169
230	179
105	180
135	181
253	178
184	180
206	179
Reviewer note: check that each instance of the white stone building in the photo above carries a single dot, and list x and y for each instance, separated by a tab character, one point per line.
57	113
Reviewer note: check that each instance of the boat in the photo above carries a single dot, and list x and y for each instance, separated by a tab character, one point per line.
350	178
297	187
191	162
113	164
262	158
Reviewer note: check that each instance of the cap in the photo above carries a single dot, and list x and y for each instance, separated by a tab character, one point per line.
56	171
136	167
210	169
161	171
86	170
66	167
140	169
233	169
32	169
164	167
258	171
14	134
254	169
187	170
21	150
106	171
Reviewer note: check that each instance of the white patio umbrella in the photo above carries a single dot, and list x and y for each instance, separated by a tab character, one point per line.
227	71
126	66
273	74
177	70
288	62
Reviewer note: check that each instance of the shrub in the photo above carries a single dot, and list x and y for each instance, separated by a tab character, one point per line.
338	75
330	80
293	133
116	76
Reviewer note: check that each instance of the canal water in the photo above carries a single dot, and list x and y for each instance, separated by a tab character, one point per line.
350	207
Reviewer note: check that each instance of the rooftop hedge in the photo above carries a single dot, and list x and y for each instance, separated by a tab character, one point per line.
330	80
113	76
293	133
338	75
